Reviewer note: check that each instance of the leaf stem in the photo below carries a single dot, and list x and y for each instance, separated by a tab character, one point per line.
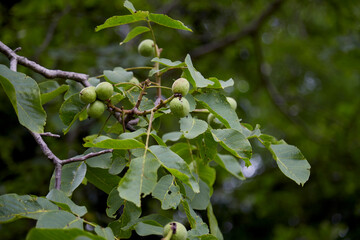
157	54
168	236
135	68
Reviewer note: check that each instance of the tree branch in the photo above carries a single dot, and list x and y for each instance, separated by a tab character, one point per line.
49	134
50	155
87	156
48	73
252	28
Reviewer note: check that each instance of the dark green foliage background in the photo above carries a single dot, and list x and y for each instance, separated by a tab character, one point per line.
312	56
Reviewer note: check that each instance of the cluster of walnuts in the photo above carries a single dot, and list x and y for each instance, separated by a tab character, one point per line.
94	97
179	105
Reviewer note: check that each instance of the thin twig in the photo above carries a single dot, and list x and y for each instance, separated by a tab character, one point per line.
135	68
85	157
156	65
50	155
45	149
48	73
49	134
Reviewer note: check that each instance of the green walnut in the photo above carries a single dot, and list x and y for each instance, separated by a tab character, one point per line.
96	109
232	102
181	86
88	95
180	108
174	231
104	90
146	48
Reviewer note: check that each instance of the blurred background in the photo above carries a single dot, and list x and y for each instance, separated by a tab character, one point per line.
296	67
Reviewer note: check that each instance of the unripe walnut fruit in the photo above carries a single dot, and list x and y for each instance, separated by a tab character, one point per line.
88	95
179	231
96	109
146	48
180	108
181	86
232	102
104	90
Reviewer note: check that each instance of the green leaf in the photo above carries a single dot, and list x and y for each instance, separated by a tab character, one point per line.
130	215
167	62
114	202
206	173
207	147
63	201
121	20
198	227
140	179
102	161
195	77
106	233
122	228
217	104
118	162
13	207
129	6
175	165
192	127
167	192
46	97
208	237
135	32
118	232
214	227
230	164
157	139
198	201
48	86
116	144
184	150
60	234
291	162
24	95
70	110
119	75
166	21
72	175
172	136
82	115
148	227
162	220
74	87
234	142
102	179
220	84
59	219
129	135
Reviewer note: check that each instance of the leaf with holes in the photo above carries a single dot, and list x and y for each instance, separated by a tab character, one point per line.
167	192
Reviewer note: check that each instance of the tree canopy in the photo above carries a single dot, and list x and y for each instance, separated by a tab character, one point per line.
295	70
